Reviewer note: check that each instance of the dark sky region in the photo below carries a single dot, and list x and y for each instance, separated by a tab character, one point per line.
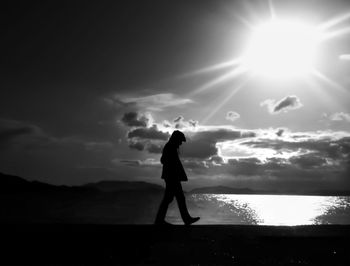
91	91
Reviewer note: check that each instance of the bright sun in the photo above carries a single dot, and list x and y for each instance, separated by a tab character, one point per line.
282	49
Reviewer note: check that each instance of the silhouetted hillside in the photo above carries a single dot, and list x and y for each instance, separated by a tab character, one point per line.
15	184
23	201
115	186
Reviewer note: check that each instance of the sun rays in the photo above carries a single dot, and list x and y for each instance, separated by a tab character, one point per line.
228	98
281	49
235	72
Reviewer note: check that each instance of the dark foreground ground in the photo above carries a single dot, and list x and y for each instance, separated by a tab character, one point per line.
176	245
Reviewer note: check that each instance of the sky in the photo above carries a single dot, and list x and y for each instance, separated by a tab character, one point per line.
92	90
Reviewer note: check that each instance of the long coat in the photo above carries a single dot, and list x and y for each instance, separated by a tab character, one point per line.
172	166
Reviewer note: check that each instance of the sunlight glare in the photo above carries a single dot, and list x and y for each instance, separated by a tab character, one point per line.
283	209
282	49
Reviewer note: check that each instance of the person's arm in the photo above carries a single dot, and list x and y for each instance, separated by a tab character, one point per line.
165	155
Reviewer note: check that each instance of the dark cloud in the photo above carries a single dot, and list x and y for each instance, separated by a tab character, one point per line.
153	102
11	134
134	119
15	133
244	166
216	160
148	133
99	146
308	161
280	132
232	116
147	145
137	145
154	148
199	148
143	163
284	105
202	144
195	165
130	162
178	119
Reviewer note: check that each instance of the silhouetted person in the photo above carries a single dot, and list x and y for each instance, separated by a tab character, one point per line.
173	174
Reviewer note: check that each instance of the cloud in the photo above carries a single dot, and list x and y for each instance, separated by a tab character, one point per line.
340	116
298	173
150	139
232	116
15	133
280	132
150	146
98	146
286	104
148	133
317	157
202	143
21	135
154	148
134	119
270	157
180	122
137	145
155	102
308	161
344	57
331	146
150	162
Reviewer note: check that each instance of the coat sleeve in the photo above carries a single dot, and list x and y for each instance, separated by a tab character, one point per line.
172	166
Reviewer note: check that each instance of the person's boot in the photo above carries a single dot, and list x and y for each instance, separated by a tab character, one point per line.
191	220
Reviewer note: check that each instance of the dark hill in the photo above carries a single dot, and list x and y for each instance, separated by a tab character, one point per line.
10	184
119	202
115	186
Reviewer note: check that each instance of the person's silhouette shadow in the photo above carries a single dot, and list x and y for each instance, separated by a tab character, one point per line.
173	174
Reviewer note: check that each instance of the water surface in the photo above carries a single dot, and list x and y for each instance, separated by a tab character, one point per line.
265	209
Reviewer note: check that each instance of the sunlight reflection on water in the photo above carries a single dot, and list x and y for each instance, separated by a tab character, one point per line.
266	209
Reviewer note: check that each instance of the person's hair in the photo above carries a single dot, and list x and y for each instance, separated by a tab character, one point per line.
177	135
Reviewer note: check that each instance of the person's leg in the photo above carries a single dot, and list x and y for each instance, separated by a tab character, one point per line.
181	202
167	199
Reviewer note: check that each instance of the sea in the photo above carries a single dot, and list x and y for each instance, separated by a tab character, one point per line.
288	210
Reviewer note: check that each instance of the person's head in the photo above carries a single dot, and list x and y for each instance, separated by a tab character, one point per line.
177	138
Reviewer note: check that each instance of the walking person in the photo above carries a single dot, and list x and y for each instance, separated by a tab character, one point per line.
173	174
